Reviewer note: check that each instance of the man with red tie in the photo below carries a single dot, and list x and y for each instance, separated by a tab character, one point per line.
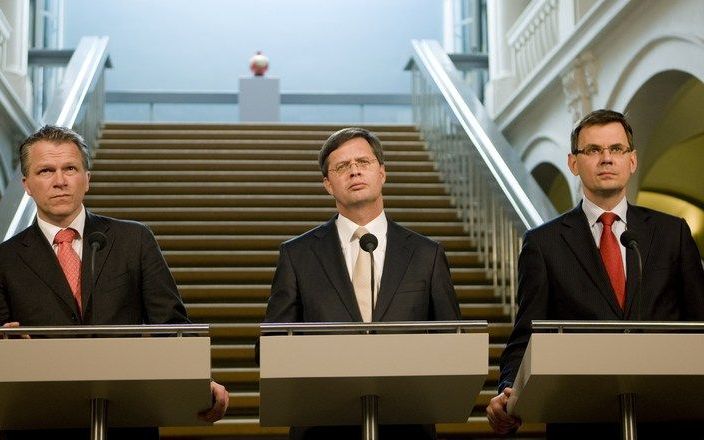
575	268
45	271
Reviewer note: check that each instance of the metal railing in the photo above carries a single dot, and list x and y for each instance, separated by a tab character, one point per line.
496	198
109	330
362	102
617	326
78	103
377	327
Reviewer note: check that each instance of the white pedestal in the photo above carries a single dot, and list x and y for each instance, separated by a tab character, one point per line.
260	99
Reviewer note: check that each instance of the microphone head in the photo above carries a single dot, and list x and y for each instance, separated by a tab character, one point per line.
368	242
628	239
97	240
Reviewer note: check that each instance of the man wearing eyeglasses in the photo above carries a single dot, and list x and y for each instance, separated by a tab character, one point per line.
575	268
318	278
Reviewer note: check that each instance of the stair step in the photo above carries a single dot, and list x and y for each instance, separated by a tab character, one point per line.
227	154
277	227
241	331
180	133
232	353
197	293
213	275
315	216
259	200
206	175
232	165
223	293
263	242
268	258
270	188
244	144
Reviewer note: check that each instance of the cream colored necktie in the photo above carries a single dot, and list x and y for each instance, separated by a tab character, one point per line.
361	279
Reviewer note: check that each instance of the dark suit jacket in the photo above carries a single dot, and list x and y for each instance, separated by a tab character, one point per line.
311	284
561	277
133	285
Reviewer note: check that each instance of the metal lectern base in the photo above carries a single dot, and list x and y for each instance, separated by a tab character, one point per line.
98	419
370	413
628	416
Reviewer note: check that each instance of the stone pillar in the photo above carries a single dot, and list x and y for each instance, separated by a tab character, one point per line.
501	15
14	55
448	26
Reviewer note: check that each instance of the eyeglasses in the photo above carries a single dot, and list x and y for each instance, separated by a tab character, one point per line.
345	167
595	150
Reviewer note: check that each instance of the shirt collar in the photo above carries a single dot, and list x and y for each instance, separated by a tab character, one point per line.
49	230
346	227
593	211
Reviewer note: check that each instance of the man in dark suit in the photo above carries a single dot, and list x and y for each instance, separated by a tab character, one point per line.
566	272
47	280
317	276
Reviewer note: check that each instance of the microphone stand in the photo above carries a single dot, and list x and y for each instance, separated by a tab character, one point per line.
371	256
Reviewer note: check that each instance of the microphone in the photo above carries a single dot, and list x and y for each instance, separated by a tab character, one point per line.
628	240
97	241
368	243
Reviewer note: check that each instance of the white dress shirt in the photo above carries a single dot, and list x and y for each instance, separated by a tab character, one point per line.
78	224
350	245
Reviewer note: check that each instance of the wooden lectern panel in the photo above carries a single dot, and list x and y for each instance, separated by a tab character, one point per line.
419	378
157	381
577	377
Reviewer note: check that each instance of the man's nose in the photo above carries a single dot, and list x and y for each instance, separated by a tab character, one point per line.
606	156
355	169
59	179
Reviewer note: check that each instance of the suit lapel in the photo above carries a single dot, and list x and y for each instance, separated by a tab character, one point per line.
88	283
636	222
578	236
398	256
328	252
40	258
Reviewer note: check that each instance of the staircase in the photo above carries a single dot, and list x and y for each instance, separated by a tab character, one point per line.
221	198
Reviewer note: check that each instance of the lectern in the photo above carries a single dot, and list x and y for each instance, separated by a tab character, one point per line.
611	371
369	374
143	376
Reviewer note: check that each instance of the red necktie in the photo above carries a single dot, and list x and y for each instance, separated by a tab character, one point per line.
611	256
69	261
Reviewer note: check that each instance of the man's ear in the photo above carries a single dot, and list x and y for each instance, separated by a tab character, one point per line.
26	188
572	163
633	161
327	185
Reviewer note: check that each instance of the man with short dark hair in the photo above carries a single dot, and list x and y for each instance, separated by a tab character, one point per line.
45	279
574	267
317	276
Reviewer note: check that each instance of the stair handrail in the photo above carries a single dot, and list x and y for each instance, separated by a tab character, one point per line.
528	200
78	103
496	197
